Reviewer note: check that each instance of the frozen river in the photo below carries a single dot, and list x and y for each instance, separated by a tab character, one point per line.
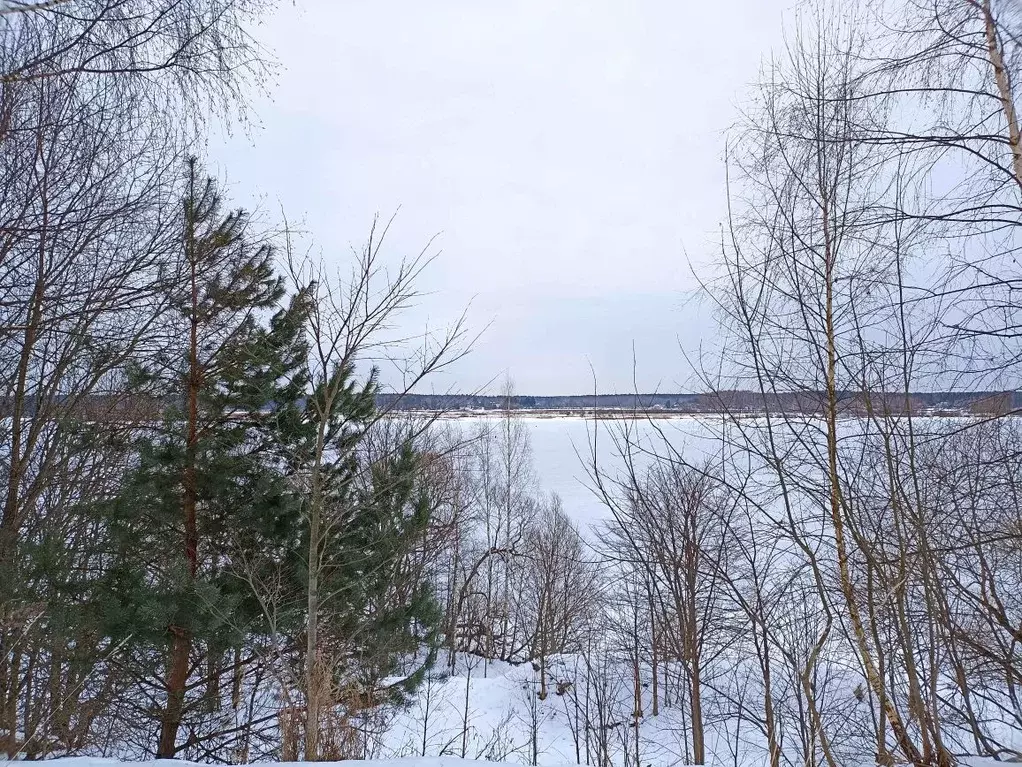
562	448
562	451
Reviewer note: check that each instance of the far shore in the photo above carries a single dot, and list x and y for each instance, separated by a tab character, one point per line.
626	414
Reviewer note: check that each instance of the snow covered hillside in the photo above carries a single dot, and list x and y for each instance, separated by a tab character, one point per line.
494	711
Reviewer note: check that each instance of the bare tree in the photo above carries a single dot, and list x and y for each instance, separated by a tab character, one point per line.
668	525
562	585
351	322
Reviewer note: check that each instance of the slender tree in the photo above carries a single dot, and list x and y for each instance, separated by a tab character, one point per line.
202	482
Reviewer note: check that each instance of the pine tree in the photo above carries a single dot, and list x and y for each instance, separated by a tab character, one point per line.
367	609
380	603
209	485
337	416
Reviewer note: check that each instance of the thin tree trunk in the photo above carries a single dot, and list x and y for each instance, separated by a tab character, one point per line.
696	704
769	718
692	640
1004	92
464	722
901	733
12	688
654	656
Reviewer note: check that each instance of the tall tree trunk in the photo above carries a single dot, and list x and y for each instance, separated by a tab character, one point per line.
181	644
901	734
314	676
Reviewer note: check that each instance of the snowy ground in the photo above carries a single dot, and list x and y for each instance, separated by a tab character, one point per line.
406	762
399	762
492	711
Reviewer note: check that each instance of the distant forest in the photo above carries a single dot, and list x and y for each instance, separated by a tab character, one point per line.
143	407
988	402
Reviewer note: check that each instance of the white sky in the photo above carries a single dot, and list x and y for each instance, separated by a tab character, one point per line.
567	152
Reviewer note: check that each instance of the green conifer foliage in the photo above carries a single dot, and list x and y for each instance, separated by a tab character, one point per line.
370	613
262	467
208	489
380	607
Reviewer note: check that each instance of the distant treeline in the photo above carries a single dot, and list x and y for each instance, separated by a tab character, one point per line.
123	407
996	402
547	402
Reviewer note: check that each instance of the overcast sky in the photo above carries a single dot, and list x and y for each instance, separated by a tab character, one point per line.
568	153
